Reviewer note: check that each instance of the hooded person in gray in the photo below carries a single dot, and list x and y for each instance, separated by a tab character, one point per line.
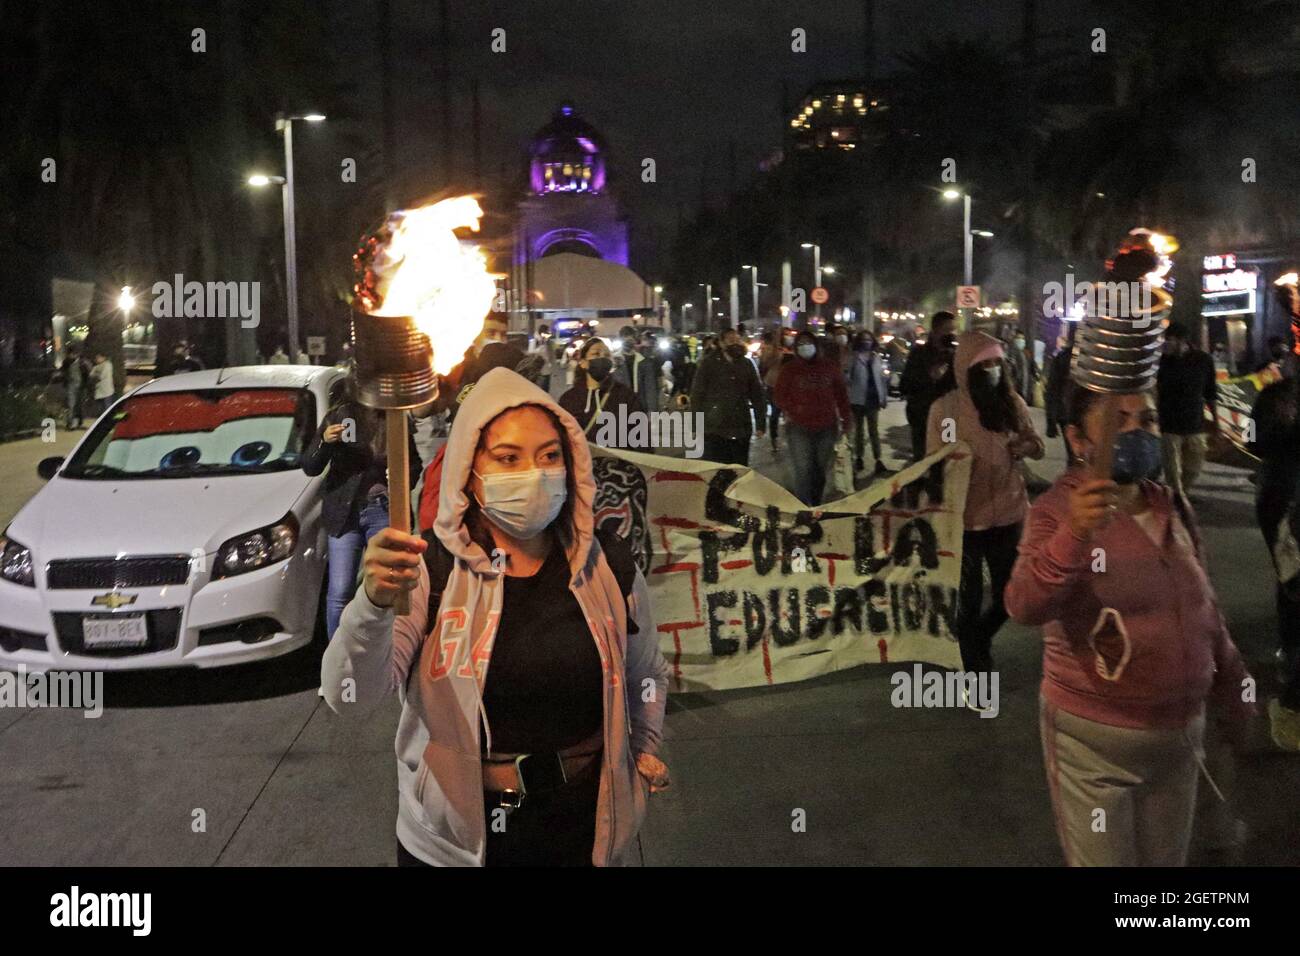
438	667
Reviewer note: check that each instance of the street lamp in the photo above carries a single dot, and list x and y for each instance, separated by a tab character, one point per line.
284	124
126	301
965	231
708	303
754	286
817	269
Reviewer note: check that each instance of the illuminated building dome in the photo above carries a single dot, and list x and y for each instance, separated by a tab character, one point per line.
567	156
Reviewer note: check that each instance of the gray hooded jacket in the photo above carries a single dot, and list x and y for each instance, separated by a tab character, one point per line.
438	671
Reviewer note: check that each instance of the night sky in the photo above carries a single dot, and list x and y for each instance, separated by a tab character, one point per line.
676	80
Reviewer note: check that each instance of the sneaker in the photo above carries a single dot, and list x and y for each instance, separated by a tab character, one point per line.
881	469
1285	725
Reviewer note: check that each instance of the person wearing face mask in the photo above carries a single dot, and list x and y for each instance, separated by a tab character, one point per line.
985	412
1023	370
1134	644
638	371
726	390
811	393
596	389
526	737
868	394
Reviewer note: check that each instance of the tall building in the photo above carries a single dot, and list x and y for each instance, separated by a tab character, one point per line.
839	114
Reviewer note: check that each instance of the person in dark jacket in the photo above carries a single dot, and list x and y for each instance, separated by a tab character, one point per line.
1277	443
1185	387
76	376
351	443
922	376
638	370
595	390
727	391
1058	377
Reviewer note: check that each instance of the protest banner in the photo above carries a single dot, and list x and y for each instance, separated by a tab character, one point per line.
750	587
1236	400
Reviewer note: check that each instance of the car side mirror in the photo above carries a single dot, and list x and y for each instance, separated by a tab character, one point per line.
49	467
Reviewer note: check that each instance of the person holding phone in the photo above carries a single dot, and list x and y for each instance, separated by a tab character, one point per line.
351	443
1133	644
531	682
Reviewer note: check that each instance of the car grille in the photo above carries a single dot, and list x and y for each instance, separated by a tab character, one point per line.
148	572
163	627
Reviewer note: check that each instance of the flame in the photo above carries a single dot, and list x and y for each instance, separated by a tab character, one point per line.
1165	246
1290	278
441	282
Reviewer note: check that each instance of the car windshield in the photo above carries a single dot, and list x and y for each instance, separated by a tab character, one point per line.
217	431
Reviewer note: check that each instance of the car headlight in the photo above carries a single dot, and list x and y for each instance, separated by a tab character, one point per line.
256	549
16	562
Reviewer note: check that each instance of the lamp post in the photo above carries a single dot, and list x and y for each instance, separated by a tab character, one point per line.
817	270
967	234
708	304
284	124
753	272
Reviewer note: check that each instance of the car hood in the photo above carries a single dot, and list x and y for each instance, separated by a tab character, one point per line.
80	518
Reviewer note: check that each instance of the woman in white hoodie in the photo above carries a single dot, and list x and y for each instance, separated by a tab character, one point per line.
531	682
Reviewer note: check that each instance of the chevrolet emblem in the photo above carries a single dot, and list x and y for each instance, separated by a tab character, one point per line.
113	600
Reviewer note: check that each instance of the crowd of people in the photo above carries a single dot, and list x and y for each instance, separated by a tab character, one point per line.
1142	686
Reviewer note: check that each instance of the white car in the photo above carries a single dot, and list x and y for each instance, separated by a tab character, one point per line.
180	532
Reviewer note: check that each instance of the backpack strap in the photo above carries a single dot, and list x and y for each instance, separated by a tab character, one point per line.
621	561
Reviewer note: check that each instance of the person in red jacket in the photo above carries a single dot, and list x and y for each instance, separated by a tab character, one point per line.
811	393
1133	645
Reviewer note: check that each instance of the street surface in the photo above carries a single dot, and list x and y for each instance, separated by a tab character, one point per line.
280	780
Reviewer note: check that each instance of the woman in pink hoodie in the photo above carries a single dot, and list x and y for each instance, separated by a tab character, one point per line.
985	412
1133	643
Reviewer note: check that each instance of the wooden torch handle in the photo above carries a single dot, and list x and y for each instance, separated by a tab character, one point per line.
399	487
1103	460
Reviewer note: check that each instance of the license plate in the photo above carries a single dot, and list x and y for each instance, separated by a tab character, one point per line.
120	630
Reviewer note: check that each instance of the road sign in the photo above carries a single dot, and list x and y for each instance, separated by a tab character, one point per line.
820	296
315	345
968	297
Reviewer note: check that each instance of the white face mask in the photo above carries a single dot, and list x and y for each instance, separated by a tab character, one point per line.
807	351
524	503
841	340
994	374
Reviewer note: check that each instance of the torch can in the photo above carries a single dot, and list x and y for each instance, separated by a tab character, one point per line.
394	362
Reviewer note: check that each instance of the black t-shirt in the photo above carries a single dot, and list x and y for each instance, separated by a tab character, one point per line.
544	684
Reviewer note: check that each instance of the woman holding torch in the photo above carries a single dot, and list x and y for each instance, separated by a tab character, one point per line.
531	682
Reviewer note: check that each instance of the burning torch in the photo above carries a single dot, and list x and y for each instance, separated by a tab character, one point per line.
420	299
1120	355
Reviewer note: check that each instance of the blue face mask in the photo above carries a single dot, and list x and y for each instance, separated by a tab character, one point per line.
1137	456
